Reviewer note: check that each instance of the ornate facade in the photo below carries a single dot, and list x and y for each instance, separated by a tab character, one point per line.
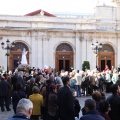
62	43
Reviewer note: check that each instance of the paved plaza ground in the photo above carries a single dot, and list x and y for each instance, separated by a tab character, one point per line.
7	114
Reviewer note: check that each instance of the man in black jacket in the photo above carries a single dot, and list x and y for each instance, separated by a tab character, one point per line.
114	101
4	94
65	101
77	106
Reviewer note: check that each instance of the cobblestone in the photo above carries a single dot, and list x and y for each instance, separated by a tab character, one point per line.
6	114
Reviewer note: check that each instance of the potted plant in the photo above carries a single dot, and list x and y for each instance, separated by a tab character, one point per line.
85	65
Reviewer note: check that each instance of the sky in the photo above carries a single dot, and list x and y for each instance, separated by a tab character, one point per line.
22	7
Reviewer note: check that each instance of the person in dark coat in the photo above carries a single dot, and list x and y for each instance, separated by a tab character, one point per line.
104	109
52	103
85	84
14	81
77	106
20	78
29	87
23	110
17	95
4	94
114	101
65	101
48	83
91	113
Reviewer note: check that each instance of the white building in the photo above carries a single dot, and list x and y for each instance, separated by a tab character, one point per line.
63	42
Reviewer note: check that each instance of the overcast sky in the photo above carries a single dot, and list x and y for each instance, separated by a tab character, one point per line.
21	7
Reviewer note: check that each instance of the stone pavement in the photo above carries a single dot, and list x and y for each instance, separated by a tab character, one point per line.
7	114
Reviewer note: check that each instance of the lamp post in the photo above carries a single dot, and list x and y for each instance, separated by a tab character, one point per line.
8	48
95	47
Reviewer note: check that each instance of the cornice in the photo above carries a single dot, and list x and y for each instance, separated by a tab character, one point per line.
57	30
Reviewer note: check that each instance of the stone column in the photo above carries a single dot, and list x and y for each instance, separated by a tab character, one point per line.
39	52
86	46
80	50
33	49
83	48
45	51
116	53
77	63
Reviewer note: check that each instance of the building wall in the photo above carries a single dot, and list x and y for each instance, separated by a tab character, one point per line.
42	35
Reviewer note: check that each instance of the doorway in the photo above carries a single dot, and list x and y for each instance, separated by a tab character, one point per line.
104	63
64	61
15	59
64	65
16	54
64	57
15	64
106	57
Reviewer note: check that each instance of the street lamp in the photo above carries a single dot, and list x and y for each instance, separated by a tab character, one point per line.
8	48
95	47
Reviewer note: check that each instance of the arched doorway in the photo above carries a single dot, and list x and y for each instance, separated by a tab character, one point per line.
64	57
16	54
106	56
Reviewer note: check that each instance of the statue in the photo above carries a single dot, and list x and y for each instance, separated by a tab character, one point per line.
24	59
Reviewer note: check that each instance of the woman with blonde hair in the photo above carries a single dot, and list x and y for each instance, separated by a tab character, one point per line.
72	79
108	81
115	76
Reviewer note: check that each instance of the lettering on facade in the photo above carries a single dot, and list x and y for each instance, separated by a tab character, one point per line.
105	28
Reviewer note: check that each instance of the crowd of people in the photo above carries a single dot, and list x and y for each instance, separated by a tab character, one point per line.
51	95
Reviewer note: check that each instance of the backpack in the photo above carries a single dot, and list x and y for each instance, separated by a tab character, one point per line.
72	83
86	80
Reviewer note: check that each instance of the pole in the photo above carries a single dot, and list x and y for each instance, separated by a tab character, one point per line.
96	61
96	57
7	53
7	61
95	48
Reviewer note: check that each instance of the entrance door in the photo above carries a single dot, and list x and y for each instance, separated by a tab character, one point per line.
67	65
109	63
105	58
64	57
15	64
104	63
16	53
64	65
61	65
64	61
15	59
